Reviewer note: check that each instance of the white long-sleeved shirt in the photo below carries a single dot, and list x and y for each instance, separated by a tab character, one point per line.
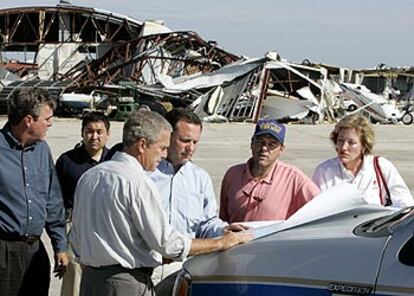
188	199
332	172
118	218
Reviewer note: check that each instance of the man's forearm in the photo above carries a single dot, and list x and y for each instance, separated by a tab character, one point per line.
230	239
205	245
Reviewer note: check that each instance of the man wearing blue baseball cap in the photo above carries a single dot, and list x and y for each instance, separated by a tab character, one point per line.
264	188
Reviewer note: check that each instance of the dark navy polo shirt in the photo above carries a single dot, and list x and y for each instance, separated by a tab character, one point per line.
70	166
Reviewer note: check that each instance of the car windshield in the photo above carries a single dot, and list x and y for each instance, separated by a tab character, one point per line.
380	224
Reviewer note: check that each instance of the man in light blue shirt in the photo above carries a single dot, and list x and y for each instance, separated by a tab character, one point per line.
186	190
188	198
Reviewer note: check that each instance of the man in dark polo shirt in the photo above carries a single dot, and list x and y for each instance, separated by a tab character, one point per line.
70	166
30	198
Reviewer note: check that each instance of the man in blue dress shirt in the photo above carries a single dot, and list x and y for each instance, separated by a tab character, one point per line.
186	191
30	198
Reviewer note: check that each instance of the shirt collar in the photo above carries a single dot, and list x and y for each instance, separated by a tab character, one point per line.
267	179
365	164
166	167
128	159
12	141
81	147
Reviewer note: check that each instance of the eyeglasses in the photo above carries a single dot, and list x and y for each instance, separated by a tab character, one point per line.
271	145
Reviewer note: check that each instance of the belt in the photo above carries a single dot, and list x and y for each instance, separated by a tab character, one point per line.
117	267
28	239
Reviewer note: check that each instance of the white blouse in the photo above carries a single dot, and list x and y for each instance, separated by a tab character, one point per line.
332	172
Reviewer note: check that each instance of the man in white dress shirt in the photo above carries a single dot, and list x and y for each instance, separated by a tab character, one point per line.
120	230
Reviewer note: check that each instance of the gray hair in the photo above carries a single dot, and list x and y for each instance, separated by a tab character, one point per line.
144	124
27	102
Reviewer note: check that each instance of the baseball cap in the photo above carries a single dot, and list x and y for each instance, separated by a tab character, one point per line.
270	127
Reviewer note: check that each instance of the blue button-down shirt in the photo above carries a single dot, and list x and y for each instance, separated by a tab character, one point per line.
30	196
188	199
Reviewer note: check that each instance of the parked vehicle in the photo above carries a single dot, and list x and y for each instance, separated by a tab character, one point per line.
335	245
407	117
75	103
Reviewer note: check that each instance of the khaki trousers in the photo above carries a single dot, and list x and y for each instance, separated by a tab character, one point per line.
164	278
72	277
116	280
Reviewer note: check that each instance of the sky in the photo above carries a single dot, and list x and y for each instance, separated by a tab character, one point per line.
353	33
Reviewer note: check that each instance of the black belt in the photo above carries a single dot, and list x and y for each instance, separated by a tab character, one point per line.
117	267
28	239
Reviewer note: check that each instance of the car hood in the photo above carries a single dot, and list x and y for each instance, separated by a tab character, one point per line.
317	244
328	205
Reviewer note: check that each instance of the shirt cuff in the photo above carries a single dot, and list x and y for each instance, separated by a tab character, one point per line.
186	248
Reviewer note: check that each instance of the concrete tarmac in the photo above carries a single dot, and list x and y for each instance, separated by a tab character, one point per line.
223	145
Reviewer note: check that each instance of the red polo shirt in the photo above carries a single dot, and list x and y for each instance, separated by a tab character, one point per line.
281	193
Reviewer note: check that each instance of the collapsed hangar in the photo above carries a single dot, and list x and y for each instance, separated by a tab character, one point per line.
93	55
52	39
89	48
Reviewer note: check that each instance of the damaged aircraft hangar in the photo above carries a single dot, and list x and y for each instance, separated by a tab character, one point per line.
90	58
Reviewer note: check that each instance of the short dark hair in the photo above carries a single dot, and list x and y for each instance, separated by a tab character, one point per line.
187	115
25	102
95	116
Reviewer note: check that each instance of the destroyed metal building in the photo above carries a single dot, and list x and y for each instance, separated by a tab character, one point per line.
77	49
90	58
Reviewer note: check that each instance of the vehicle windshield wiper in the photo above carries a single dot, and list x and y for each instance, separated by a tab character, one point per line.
384	222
